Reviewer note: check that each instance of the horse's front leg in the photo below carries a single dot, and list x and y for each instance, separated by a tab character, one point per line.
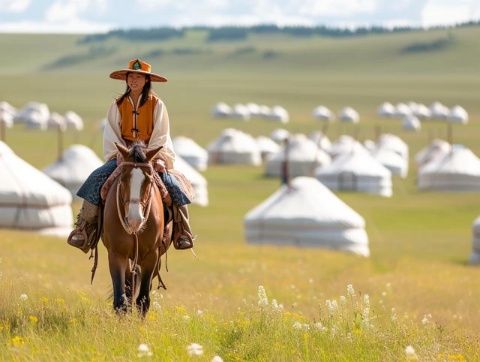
149	265
118	267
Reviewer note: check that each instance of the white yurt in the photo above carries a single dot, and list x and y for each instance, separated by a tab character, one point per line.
386	109
6	118
73	168
241	112
439	111
475	256
422	111
34	115
73	121
402	110
394	143
8	108
349	115
195	155
458	114
264	111
253	109
356	171
321	140
458	170
303	158
397	165
322	113
279	135
279	114
369	145
221	110
411	123
436	149
31	200
56	121
305	213
234	147
199	182
267	146
344	144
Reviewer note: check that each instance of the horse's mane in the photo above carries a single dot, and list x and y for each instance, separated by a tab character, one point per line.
137	152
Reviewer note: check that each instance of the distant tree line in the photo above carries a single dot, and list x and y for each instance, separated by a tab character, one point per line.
163	33
231	33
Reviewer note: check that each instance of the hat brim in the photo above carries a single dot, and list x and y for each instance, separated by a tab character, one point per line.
122	75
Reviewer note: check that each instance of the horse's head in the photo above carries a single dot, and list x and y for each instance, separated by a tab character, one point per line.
135	186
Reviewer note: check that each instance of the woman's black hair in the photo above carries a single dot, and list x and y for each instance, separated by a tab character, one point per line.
145	91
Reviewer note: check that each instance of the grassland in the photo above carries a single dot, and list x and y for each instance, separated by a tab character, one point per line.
420	241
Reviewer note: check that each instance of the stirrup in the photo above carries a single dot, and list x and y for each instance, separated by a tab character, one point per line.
183	242
79	239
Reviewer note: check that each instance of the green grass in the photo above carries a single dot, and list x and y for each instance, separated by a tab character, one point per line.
420	241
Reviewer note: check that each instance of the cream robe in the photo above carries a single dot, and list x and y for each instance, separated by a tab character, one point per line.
160	134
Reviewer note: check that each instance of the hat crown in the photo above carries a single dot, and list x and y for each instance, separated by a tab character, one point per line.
137	64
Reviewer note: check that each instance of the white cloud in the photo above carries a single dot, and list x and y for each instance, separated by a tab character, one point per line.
337	8
74	27
449	12
67	10
14	6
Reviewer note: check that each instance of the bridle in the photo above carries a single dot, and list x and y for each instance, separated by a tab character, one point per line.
146	203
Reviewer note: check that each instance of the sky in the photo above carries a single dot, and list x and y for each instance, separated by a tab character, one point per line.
91	16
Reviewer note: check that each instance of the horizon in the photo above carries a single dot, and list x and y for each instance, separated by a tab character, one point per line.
101	16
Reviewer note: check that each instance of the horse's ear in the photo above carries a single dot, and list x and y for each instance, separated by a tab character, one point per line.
122	149
150	155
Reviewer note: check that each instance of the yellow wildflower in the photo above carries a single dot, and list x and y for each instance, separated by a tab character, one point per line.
33	319
17	341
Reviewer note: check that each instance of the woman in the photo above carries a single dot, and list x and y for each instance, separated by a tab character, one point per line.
138	115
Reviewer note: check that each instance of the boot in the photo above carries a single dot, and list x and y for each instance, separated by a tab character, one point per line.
83	235
182	235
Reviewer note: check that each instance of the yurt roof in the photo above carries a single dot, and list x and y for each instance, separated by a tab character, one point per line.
460	160
75	165
357	161
185	146
300	148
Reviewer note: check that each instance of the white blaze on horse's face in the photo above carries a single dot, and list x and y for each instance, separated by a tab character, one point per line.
135	215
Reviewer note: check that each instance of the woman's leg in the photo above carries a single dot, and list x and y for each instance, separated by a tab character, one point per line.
85	230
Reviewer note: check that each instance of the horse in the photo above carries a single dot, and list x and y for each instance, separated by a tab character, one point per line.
133	229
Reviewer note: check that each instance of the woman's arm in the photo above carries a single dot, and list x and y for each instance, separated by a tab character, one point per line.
161	135
112	132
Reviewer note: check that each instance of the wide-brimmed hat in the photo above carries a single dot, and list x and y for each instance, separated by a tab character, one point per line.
137	66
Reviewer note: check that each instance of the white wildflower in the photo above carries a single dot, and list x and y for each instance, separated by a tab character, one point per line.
144	350
410	353
262	296
310	280
366	300
393	316
332	306
199	312
384	294
297	325
427	318
217	359
186	317
23	297
343	300
194	349
350	290
320	327
276	307
156	305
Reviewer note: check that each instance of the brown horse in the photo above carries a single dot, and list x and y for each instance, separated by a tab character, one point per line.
133	229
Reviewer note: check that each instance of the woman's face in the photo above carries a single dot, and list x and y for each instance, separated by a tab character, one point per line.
136	81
